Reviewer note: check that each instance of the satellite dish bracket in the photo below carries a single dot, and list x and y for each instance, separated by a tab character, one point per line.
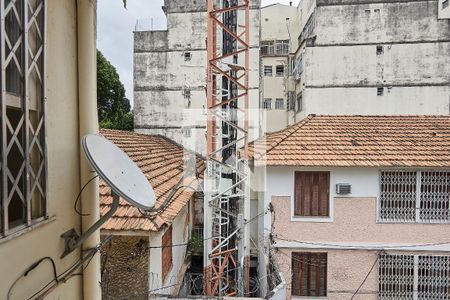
71	238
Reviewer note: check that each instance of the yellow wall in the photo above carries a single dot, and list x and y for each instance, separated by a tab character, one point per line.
63	168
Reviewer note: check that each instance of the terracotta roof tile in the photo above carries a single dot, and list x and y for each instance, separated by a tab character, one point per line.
162	163
397	141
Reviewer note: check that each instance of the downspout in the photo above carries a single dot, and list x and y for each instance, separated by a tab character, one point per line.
88	123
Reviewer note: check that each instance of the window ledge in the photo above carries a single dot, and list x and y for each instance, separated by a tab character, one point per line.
312	219
22	230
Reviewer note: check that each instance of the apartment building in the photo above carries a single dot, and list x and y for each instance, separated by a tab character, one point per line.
279	23
170	74
360	57
360	206
48	102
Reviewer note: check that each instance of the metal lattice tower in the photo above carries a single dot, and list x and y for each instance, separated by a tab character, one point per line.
227	204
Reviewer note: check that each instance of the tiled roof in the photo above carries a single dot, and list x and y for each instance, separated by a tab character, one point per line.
345	141
162	163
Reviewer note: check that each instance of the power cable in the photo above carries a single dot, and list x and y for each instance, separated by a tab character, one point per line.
367	276
79	196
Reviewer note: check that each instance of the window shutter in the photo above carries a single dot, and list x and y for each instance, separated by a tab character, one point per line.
312	193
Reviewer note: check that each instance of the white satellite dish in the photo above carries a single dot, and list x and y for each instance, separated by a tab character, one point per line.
121	174
118	171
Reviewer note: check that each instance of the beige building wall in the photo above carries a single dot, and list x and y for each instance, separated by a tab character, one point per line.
278	22
22	249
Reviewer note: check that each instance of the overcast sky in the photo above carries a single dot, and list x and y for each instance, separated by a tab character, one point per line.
115	27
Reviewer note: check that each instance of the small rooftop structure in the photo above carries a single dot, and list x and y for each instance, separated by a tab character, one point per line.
350	141
162	162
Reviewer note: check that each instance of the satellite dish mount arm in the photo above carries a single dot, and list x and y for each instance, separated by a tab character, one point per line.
72	240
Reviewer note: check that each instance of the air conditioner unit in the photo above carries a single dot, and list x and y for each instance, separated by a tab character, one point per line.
343	188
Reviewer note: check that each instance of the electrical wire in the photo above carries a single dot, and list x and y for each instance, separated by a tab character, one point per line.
79	196
368	274
31	268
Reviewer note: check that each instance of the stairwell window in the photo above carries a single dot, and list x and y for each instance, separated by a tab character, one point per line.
414	196
309	274
23	167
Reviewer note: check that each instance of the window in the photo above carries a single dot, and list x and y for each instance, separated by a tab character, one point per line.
291	101
414	196
309	274
403	276
267	48
299	102
267	103
308	29
187	132
380	50
282	47
279	103
268	70
187	94
312	194
23	168
166	252
445	3
187	56
380	91
279	70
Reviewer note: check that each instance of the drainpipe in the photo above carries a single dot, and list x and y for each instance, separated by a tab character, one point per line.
88	123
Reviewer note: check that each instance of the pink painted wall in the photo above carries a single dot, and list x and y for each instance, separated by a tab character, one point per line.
346	271
354	222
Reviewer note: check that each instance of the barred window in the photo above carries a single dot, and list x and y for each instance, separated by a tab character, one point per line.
291	101
23	166
267	48
414	196
309	274
404	277
282	47
279	103
267	104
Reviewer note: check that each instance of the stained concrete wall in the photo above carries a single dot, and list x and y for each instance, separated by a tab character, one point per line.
125	267
162	75
343	69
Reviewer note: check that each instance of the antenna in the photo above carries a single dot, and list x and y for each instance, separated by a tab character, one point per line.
121	174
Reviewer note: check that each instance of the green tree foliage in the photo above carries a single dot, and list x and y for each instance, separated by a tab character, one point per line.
113	107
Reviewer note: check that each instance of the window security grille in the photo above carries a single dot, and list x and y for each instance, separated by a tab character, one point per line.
282	47
267	48
291	101
405	277
23	165
414	196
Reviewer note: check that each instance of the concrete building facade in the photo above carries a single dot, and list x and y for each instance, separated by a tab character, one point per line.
362	57
170	74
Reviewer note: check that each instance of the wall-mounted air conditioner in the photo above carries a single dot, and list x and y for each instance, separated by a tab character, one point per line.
343	188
